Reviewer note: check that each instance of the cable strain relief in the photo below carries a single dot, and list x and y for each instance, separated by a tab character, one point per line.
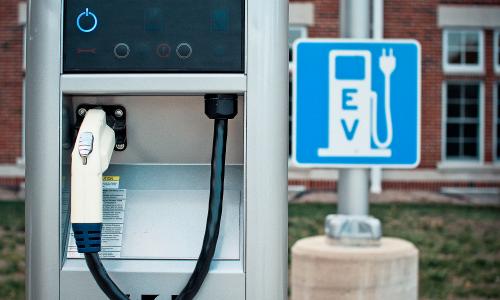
88	237
221	106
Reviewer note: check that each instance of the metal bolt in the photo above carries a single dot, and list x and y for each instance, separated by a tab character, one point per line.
120	146
82	111
118	113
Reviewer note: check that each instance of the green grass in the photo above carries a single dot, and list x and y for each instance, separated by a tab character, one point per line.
459	245
12	258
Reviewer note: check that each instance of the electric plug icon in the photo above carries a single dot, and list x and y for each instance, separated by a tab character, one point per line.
387	62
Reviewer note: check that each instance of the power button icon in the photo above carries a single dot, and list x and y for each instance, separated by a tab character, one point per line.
86	21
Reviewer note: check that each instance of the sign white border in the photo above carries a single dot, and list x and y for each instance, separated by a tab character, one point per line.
294	161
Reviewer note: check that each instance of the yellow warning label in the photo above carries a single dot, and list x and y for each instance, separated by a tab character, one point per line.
110	182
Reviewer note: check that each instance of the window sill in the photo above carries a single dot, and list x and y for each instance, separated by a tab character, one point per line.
469	166
462	70
20	161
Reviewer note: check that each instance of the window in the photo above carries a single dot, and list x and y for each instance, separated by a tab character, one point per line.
463	51
295	33
462	121
496	122
496	51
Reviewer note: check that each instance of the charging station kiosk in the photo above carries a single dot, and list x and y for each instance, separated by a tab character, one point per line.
148	66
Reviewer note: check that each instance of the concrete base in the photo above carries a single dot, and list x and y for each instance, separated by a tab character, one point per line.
322	271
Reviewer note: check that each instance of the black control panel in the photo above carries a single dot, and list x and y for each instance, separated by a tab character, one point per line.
191	36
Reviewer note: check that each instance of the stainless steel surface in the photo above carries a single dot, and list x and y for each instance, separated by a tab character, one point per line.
42	150
353	230
169	224
153	84
170	129
226	280
161	203
267	150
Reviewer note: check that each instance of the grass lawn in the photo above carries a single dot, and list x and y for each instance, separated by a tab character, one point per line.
12	262
459	245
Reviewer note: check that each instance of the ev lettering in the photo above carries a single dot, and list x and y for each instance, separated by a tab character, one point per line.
347	99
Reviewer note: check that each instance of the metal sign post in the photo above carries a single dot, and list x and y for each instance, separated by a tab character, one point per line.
356	106
353	183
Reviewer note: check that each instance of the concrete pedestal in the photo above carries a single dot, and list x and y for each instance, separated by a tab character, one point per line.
322	271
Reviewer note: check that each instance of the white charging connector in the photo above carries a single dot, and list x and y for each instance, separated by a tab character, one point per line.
90	159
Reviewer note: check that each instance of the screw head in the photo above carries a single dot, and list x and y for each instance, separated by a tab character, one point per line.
120	146
82	111
118	113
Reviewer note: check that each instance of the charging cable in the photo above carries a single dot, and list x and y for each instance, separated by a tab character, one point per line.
387	64
221	108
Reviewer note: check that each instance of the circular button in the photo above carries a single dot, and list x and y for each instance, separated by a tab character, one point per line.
163	50
86	21
121	50
184	50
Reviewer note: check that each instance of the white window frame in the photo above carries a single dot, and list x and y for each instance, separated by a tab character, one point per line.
446	162
304	30
304	33
496	50
463	69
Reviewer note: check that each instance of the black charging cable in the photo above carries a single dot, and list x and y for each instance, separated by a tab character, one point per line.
221	108
102	278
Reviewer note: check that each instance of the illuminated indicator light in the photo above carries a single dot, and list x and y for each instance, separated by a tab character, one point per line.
86	13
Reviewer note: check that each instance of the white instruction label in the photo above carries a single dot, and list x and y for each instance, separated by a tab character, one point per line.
112	228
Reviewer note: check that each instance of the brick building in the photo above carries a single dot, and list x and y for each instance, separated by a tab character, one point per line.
460	79
12	25
460	88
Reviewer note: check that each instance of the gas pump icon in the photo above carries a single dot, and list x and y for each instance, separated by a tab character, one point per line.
353	120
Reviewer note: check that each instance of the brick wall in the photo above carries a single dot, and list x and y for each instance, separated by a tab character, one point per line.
418	20
11	74
435	186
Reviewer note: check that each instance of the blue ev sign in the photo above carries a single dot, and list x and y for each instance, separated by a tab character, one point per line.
356	103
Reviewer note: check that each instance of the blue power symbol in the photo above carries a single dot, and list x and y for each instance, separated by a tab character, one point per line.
91	25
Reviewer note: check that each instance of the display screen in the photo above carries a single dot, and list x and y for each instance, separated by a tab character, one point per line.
350	67
153	36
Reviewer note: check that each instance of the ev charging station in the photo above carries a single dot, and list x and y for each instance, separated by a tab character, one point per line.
156	147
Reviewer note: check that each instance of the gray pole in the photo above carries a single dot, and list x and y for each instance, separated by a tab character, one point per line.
352	226
353	183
